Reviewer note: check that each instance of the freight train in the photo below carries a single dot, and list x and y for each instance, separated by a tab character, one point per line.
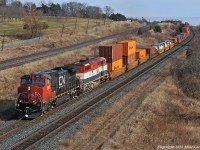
39	92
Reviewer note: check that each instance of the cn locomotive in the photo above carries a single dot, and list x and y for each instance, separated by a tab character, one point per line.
40	92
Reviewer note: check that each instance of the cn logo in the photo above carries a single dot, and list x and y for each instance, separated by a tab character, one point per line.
61	80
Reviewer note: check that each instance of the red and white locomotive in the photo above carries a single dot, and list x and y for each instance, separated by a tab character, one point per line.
40	91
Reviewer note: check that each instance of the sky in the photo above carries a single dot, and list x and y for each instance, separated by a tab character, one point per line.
144	8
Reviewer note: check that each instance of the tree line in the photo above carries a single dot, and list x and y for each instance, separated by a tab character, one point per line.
10	9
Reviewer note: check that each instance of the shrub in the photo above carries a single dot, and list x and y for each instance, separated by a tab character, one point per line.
157	28
139	32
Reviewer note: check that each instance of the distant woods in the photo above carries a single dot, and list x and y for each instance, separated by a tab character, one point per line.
34	19
15	10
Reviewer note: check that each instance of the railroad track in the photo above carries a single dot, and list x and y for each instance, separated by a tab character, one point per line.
114	122
9	128
33	57
69	118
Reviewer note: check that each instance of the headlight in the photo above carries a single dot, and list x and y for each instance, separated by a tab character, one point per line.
29	88
20	101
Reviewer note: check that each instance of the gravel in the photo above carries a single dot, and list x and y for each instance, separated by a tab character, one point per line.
6	123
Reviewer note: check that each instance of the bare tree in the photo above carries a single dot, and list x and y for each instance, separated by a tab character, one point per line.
3	2
34	23
16	4
74	9
30	7
94	12
108	11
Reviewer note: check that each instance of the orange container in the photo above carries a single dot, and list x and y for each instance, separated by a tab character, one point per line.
128	59
115	65
140	53
129	47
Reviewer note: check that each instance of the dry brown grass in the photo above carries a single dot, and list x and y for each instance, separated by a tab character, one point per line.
165	117
54	41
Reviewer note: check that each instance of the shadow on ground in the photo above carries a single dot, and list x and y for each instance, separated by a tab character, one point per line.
7	110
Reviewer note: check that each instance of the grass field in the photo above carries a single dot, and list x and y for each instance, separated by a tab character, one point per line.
55	24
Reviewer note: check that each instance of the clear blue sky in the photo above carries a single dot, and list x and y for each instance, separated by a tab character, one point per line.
145	8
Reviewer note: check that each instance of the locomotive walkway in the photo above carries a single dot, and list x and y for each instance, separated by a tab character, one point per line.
33	57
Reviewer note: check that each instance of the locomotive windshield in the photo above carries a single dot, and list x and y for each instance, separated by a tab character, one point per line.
25	81
38	82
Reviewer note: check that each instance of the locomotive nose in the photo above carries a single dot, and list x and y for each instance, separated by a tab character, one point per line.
28	110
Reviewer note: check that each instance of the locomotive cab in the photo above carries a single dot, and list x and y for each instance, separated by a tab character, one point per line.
34	91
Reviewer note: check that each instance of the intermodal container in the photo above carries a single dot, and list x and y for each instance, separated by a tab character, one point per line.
112	52
128	59
151	52
178	39
129	47
161	51
115	65
186	29
143	60
184	35
118	72
174	40
140	53
132	65
181	37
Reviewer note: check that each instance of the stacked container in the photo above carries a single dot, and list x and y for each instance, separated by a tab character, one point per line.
129	48
128	59
184	35
174	40
186	30
181	37
178	39
171	45
141	55
165	45
151	52
113	55
159	48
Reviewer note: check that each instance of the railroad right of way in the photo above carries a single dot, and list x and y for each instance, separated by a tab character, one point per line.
34	57
25	133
